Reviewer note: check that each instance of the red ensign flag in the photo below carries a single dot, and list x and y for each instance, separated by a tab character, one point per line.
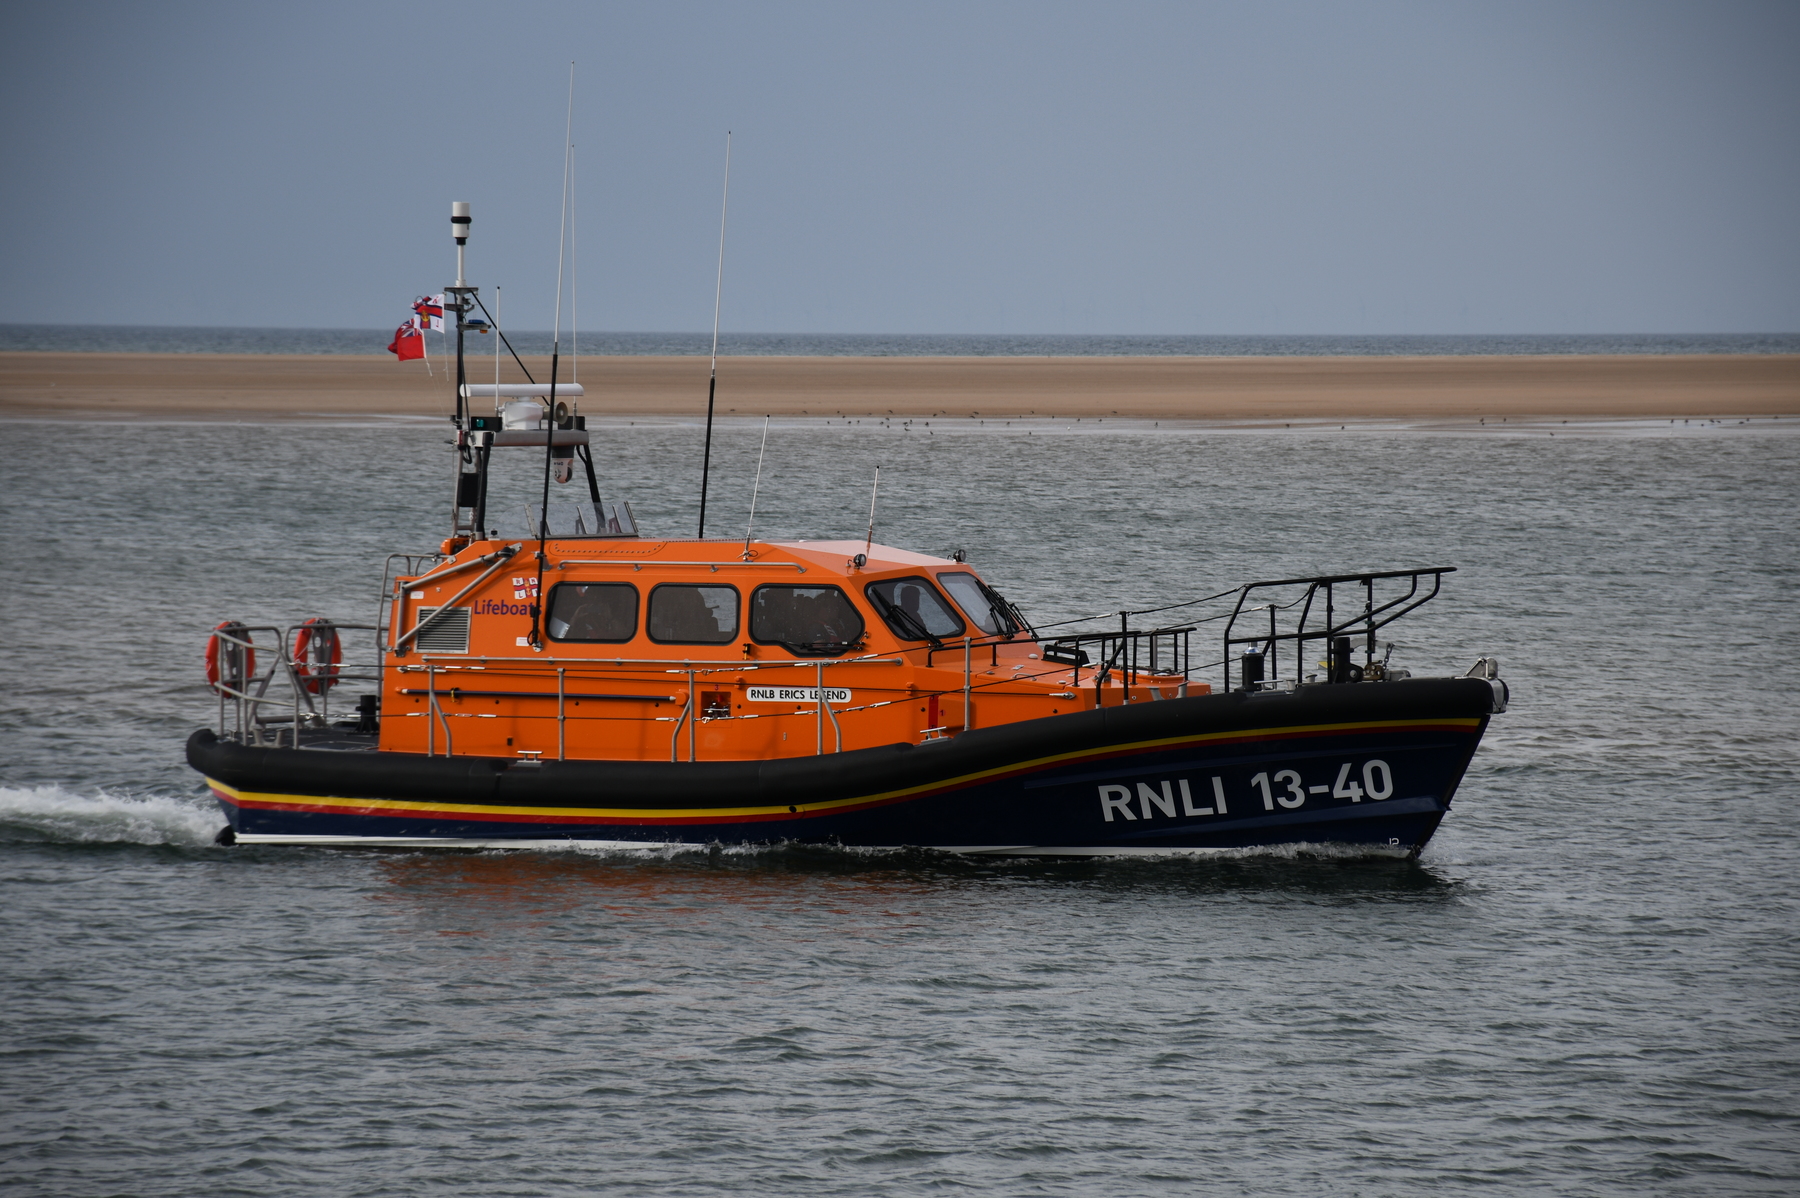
408	342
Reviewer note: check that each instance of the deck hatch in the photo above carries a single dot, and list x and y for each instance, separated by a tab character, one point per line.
448	635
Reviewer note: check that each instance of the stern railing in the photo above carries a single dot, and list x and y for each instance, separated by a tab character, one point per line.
273	704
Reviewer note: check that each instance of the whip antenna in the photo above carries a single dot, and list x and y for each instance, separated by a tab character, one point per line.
873	491
712	385
757	488
574	262
562	233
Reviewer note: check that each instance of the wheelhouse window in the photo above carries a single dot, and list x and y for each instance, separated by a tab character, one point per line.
984	606
806	621
594	612
913	609
693	615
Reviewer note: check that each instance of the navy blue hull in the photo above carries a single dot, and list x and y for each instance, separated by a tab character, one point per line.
1369	766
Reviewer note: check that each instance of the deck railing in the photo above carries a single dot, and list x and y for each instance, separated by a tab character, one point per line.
1126	655
260	701
287	698
1322	612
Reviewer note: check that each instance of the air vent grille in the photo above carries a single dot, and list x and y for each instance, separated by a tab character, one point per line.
448	635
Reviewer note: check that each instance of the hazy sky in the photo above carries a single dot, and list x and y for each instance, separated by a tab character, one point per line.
914	167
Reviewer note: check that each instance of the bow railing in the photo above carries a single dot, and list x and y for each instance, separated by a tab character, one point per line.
1337	609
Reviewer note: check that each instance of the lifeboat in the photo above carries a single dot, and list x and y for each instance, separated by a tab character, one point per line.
588	683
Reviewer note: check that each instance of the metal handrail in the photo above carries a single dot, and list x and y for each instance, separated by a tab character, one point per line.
499	557
384	599
686	710
1366	622
251	692
639	564
824	702
672	664
436	575
1123	653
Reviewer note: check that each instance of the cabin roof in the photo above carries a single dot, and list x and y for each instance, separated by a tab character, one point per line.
881	557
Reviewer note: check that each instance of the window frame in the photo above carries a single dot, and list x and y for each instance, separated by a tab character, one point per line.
955	612
639	610
730	637
848	646
991	597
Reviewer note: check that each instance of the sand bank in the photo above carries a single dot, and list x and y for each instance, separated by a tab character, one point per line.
256	386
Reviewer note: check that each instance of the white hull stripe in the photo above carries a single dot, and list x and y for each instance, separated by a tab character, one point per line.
659	846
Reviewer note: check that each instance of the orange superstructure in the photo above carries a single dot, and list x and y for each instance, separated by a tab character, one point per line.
708	650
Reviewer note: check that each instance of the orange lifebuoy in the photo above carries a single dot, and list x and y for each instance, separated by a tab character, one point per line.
317	653
229	657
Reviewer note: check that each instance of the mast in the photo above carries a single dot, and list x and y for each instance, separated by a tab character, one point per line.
459	228
471	485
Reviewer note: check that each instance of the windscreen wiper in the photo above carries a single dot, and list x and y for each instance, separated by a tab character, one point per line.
910	627
1005	614
818	648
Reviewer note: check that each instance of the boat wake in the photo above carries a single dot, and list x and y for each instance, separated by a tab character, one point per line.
53	814
56	815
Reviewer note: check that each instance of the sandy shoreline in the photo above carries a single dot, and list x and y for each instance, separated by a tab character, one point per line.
261	386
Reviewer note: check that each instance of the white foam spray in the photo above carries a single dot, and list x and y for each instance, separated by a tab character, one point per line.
56	814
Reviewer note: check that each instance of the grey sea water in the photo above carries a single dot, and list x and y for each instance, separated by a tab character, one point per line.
1585	987
166	339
